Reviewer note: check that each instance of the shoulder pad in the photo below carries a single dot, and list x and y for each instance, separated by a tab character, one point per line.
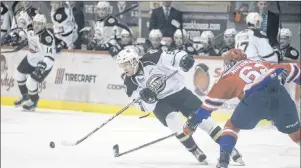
293	52
46	38
259	34
3	9
151	58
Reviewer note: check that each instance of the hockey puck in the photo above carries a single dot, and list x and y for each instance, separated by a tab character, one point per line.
52	144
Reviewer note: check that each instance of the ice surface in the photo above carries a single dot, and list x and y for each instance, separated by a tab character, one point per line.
25	138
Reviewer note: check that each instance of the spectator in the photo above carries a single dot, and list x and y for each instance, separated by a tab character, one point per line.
270	23
162	17
240	16
80	21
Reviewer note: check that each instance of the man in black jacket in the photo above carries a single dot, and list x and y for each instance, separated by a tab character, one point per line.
161	19
270	23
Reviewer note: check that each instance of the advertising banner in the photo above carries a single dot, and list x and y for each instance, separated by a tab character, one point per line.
91	77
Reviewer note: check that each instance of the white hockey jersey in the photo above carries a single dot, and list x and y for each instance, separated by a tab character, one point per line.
23	18
64	25
256	45
104	33
41	46
5	21
152	67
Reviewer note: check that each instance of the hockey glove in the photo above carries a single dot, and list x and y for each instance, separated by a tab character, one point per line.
114	50
15	39
6	39
191	125
39	71
148	96
186	62
282	77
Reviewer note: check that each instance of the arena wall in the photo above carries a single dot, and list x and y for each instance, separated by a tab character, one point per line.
90	81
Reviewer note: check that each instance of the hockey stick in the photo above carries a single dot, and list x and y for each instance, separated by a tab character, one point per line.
279	9
128	9
116	147
18	48
67	143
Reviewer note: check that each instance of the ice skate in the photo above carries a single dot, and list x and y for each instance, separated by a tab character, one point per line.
20	101
223	161
237	157
200	156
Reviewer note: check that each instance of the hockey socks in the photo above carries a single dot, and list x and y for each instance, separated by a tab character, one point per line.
227	143
22	87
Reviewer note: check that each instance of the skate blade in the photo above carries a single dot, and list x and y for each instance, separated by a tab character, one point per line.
204	162
28	110
240	162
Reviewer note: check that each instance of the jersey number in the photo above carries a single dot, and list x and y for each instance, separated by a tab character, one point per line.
249	73
49	50
243	45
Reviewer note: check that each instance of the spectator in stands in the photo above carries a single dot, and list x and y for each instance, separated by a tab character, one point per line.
80	21
161	18
287	52
270	22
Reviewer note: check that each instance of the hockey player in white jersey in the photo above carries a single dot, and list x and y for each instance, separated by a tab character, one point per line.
171	96
228	41
208	44
24	15
64	25
181	41
37	63
105	27
287	52
255	42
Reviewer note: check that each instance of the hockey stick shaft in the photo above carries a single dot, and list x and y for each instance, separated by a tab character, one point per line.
103	124
142	146
128	9
18	48
65	143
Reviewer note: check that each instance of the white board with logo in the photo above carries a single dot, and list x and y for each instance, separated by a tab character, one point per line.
93	77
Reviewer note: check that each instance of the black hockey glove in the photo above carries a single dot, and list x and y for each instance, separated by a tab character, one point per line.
15	39
60	46
190	49
148	95
186	62
6	39
114	50
39	71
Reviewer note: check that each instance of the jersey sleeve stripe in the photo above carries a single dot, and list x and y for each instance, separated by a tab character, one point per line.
51	58
295	72
209	106
214	103
215	99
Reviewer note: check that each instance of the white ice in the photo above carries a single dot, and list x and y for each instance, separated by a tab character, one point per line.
25	138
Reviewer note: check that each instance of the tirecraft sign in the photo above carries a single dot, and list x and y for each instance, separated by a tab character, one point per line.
62	76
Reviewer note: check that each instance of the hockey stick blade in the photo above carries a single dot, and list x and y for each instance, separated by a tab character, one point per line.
67	143
116	150
116	147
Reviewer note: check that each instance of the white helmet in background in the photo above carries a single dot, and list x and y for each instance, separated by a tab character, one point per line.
178	37
207	39
254	20
197	43
103	9
128	60
39	23
229	37
285	36
26	4
126	37
155	37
